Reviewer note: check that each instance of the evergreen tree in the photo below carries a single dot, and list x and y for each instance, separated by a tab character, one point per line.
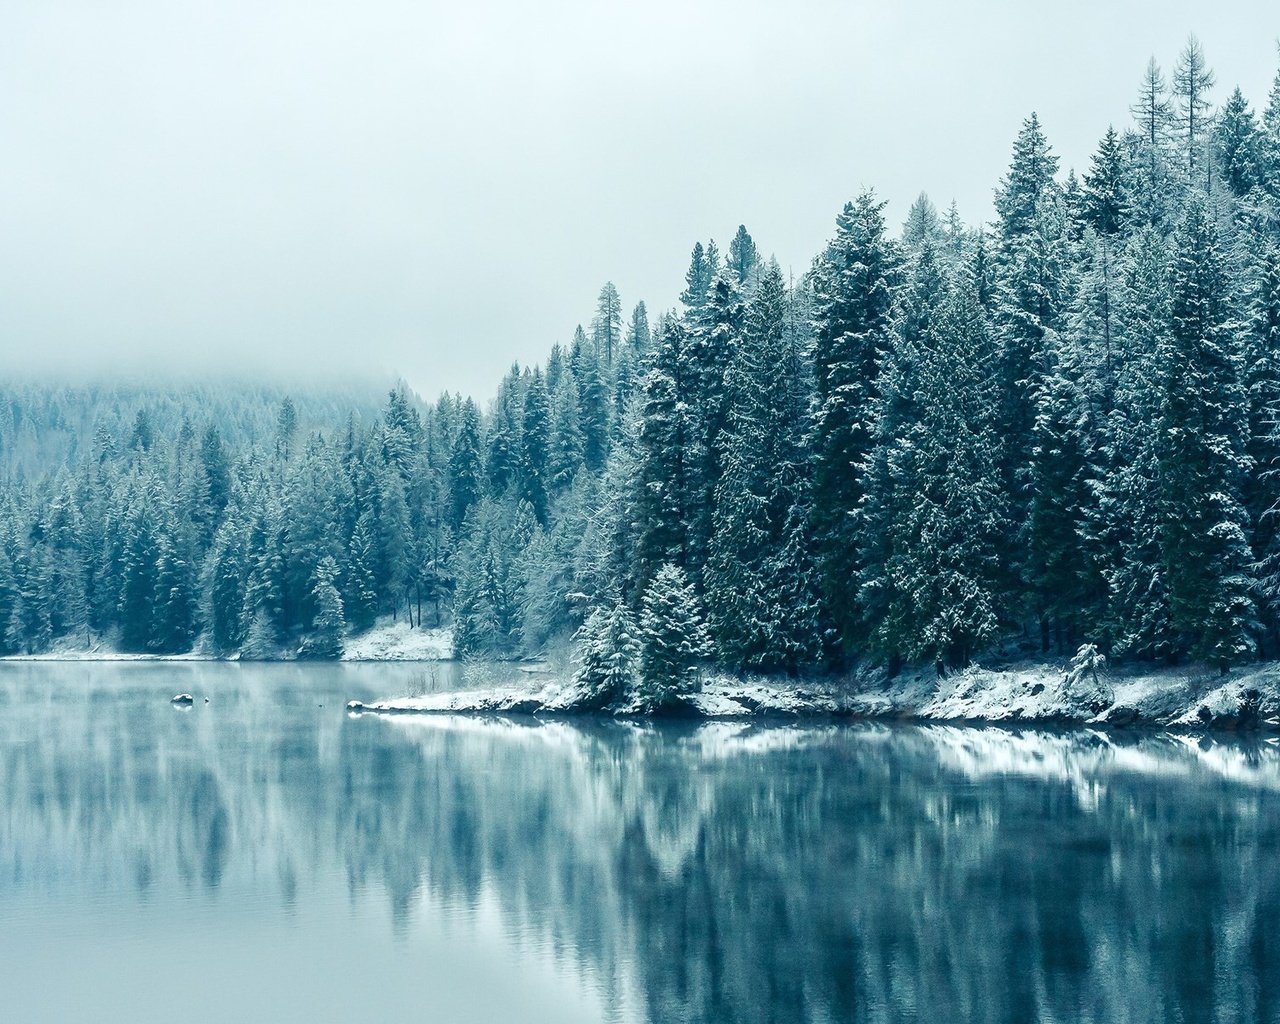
1192	80
1153	116
852	324
607	650
673	639
360	596
638	336
1269	142
761	583
174	624
1202	458
744	257
327	625
935	501
1030	179
1105	193
466	473
606	328
224	587
1236	143
535	427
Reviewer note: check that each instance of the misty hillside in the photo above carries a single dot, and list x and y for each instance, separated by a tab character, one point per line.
45	426
1058	432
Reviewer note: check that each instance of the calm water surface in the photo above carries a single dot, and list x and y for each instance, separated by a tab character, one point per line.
265	857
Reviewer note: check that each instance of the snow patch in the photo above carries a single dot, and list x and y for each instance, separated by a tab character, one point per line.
398	641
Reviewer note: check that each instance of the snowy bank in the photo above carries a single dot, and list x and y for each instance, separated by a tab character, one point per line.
398	641
1029	694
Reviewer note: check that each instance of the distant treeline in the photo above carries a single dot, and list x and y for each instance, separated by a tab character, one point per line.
1059	428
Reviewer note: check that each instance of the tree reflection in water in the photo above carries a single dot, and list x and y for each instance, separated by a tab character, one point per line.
720	872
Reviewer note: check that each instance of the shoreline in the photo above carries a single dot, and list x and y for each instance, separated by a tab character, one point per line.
1247	700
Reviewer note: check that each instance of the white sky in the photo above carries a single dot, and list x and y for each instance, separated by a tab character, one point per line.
441	189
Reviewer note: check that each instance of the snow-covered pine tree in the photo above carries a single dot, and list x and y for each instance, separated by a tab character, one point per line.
607	652
761	582
937	495
673	639
1202	454
1262	486
174	613
327	624
1126	526
1235	136
1269	141
1106	196
223	584
535	431
466	466
669	462
744	257
853	302
606	328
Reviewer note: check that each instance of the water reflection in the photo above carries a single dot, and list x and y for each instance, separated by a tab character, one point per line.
714	873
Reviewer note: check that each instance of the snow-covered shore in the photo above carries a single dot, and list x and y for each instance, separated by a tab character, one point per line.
387	641
1032	694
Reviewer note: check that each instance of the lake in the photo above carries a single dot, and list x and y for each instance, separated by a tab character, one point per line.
266	857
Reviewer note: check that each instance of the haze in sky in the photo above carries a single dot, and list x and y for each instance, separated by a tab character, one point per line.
440	189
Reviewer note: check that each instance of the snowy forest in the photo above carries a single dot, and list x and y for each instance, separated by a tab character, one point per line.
939	443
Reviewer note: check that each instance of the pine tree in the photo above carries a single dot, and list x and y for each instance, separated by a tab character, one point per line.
286	428
852	323
535	427
922	226
935	503
1202	458
1236	143
566	451
466	472
698	278
1192	80
593	409
1262	379
1126	523
224	587
1105	193
327	625
668	463
1029	181
638	335
744	257
1269	142
606	328
174	624
673	639
138	575
607	651
1153	116
360	598
761	582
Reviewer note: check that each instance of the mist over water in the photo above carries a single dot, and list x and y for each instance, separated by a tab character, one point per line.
263	857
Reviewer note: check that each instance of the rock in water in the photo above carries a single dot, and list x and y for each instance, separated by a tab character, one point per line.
182	698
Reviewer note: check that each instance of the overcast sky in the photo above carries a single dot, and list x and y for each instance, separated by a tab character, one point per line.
440	189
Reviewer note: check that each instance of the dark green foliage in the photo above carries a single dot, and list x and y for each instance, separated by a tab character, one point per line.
853	302
1202	455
